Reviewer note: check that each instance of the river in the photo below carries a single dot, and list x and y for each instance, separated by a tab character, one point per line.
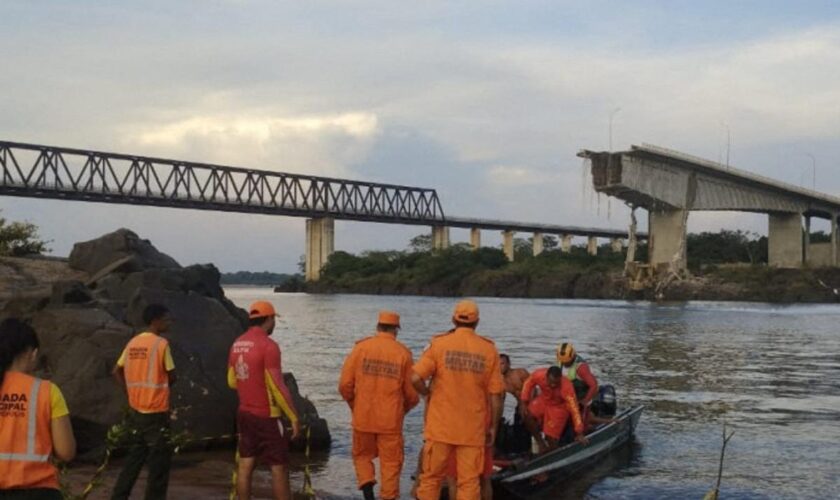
772	373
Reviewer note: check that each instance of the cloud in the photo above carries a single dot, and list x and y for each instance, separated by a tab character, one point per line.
311	144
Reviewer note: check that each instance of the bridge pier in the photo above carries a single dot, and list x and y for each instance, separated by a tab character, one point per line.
507	245
538	244
440	237
475	238
617	245
320	244
666	240
784	240
834	240
806	244
592	245
566	243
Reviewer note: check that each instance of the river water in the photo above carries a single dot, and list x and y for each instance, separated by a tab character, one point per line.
772	373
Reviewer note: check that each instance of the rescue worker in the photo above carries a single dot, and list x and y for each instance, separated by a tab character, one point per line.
464	368
34	420
376	383
578	373
145	368
514	379
255	371
486	486
552	407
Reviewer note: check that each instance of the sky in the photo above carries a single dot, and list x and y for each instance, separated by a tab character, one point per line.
486	101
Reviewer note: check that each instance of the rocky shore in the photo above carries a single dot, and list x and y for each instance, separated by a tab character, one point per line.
85	308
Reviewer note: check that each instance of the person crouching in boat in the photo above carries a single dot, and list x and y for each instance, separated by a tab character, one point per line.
552	408
34	420
581	377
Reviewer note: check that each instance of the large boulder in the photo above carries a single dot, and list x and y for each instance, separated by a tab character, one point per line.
94	255
85	320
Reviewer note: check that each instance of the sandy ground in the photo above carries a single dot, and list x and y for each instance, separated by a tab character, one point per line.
193	476
21	277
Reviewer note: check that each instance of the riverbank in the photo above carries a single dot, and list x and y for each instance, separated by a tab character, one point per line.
460	272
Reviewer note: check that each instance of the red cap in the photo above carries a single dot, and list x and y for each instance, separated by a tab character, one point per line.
466	311
389	318
261	309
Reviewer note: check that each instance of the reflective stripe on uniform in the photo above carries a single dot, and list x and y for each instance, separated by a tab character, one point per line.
30	455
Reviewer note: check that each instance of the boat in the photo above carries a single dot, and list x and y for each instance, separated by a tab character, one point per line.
527	476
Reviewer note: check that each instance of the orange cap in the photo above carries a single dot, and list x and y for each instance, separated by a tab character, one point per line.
389	318
261	309
466	311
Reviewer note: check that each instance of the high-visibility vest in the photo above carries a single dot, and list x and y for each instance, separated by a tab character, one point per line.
25	437
581	387
146	379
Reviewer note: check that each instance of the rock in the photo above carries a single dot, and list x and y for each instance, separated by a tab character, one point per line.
85	319
70	292
92	256
319	432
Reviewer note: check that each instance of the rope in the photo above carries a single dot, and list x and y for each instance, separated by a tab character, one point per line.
307	477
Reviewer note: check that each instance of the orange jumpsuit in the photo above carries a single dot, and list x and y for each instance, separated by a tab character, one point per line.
376	383
554	405
465	371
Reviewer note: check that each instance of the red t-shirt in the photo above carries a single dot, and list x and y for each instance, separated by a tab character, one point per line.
254	362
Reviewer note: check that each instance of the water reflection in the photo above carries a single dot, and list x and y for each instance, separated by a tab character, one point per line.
770	372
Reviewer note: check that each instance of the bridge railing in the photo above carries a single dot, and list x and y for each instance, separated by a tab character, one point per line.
64	173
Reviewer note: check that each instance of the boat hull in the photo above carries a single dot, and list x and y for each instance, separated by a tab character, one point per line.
539	474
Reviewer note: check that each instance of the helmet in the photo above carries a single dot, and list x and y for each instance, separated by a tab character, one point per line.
565	353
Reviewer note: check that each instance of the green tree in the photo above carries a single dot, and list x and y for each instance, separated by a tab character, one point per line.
420	243
20	238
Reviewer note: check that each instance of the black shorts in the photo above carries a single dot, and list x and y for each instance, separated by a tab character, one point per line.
262	438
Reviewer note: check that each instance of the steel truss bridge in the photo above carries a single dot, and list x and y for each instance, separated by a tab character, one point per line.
37	171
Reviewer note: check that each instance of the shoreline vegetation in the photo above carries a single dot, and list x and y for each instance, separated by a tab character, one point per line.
723	266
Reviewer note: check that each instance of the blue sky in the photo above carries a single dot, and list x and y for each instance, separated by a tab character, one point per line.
486	101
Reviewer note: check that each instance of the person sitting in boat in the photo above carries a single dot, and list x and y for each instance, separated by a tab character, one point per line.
514	379
578	373
552	408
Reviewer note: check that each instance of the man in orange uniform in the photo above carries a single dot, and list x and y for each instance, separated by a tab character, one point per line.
34	420
255	372
146	370
553	406
464	368
376	383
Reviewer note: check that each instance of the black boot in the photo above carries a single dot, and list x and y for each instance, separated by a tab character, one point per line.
367	491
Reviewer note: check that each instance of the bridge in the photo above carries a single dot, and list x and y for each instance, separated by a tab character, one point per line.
670	184
49	172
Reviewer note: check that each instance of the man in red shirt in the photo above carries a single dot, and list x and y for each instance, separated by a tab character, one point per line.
254	371
578	372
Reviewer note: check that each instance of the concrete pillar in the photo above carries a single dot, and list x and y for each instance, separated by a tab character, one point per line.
566	243
440	237
507	244
320	244
834	239
475	238
784	240
592	245
617	245
538	244
806	245
666	238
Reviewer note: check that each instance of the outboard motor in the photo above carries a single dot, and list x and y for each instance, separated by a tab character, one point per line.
605	404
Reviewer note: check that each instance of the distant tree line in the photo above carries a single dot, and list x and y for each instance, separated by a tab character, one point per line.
255	278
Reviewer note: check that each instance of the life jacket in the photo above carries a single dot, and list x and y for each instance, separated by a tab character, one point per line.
25	436
581	387
146	379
